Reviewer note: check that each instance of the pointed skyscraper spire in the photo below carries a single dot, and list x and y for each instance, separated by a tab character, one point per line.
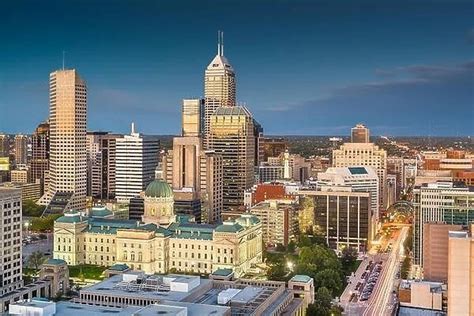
219	43
222	43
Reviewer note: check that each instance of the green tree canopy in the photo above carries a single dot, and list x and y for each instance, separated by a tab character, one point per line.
36	259
322	303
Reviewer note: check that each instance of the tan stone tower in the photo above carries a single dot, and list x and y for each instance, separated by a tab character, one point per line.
68	120
219	85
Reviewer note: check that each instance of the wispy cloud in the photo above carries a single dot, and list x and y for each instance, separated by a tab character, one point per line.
414	99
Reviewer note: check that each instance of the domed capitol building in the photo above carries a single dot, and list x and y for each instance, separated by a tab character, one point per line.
162	242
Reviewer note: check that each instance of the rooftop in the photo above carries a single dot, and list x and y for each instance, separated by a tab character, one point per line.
301	278
55	262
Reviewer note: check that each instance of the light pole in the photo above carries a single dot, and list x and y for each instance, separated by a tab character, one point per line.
27	225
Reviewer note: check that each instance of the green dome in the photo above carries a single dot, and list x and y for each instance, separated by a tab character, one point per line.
159	189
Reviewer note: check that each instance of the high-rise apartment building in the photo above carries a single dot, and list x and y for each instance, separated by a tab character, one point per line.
101	151
68	120
21	149
460	273
363	154
136	160
192	117
360	134
40	153
344	216
231	135
10	230
4	145
440	202
219	85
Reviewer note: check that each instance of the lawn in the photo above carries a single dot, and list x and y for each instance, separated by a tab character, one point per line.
87	272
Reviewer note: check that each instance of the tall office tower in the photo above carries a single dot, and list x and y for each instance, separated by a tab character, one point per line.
67	155
460	273
40	153
343	215
441	202
435	250
191	172
10	229
136	159
271	147
4	145
258	135
21	149
212	187
363	154
101	165
192	117
359	179
219	85
231	134
360	134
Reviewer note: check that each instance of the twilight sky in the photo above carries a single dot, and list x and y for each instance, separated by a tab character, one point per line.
402	67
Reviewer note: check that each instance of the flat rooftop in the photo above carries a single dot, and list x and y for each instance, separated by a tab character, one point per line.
115	286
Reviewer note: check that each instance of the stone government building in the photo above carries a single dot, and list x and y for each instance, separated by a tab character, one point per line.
163	242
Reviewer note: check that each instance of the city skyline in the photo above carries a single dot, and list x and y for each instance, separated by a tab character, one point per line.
408	63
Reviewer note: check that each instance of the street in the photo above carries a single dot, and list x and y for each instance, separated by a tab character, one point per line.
43	245
380	300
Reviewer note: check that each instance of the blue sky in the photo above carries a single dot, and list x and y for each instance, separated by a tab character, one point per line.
303	67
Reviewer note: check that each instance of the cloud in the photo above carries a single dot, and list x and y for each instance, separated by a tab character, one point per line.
409	100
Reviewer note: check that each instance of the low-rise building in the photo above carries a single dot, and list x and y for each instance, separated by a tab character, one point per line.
163	242
421	294
279	221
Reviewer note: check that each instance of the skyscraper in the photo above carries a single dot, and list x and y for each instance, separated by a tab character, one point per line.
360	134
21	149
363	154
196	178
101	151
460	273
358	179
219	84
440	202
10	228
136	161
68	120
192	115
4	145
231	135
40	153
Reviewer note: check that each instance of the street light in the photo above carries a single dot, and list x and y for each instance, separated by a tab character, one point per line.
27	224
290	265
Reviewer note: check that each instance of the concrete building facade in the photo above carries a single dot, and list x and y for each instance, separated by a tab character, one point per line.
68	120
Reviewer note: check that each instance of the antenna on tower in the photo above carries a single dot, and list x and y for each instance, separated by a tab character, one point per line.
219	42
64	57
222	43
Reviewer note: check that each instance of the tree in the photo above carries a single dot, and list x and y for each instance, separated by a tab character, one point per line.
349	256
36	259
44	224
291	247
329	279
322	303
30	208
405	268
277	272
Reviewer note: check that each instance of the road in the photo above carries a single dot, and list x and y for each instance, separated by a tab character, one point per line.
43	245
380	302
